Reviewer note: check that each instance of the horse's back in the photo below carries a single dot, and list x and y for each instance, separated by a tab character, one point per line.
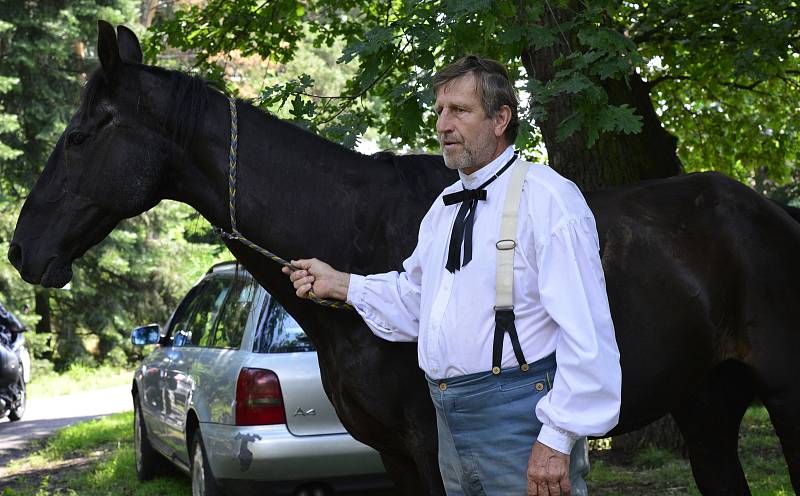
700	269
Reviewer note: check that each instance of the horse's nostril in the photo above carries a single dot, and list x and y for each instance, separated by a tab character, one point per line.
15	255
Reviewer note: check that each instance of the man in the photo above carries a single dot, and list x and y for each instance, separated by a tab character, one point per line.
506	425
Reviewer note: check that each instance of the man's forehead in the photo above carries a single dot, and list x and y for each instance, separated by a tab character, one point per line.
464	85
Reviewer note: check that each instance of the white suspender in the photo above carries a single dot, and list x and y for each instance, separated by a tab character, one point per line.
508	238
504	301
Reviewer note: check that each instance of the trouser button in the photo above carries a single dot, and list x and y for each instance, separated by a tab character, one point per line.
442	386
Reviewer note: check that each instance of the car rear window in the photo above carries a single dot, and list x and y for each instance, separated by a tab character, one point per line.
232	321
278	332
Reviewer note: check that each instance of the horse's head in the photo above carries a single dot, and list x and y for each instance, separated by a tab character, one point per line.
108	165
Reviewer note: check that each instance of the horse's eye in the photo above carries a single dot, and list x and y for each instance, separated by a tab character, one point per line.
76	137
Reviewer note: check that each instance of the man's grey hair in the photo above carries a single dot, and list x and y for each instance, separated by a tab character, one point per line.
493	86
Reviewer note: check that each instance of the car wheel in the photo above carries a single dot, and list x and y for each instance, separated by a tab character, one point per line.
18	409
203	482
149	462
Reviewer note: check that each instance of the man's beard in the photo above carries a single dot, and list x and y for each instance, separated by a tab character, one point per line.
475	154
459	159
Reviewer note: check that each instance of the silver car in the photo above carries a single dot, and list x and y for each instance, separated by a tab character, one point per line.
232	396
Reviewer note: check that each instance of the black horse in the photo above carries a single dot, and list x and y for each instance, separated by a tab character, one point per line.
702	272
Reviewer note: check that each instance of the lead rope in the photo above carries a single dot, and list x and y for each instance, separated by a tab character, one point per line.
235	234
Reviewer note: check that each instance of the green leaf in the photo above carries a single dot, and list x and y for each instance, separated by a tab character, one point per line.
569	126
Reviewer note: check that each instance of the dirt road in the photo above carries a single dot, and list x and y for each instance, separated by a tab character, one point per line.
45	415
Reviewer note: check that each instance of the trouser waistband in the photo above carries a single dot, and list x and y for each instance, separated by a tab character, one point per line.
542	365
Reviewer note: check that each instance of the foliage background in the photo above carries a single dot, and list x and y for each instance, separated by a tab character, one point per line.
721	76
138	273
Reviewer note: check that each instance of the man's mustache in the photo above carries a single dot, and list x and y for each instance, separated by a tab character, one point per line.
448	140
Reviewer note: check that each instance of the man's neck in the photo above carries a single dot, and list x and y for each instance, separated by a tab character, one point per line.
479	175
501	147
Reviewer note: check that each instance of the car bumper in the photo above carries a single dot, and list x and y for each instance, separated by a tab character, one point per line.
271	455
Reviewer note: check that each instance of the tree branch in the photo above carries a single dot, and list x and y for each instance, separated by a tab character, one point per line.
652	84
645	36
363	91
740	86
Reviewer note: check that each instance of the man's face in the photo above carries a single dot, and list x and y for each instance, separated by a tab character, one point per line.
466	133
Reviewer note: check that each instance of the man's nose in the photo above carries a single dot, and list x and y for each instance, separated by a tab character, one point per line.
443	123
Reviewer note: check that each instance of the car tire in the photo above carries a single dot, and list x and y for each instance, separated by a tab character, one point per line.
148	461
203	481
18	409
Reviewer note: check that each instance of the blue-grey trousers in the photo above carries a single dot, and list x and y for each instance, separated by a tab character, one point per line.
487	426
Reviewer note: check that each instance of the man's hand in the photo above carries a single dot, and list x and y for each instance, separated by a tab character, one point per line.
548	472
319	276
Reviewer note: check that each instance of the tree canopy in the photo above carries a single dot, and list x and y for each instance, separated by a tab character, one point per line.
722	76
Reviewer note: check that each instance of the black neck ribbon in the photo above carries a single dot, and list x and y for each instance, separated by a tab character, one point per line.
465	219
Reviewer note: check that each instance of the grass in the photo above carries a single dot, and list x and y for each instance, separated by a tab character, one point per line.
91	458
46	383
96	458
657	472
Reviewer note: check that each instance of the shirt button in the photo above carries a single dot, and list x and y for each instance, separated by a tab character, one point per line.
442	386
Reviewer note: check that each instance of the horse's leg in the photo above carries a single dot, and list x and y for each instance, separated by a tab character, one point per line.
428	469
781	396
784	412
412	476
709	420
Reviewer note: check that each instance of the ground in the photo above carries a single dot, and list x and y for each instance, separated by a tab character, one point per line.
96	458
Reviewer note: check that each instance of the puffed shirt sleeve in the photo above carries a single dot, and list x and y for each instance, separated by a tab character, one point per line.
585	397
390	302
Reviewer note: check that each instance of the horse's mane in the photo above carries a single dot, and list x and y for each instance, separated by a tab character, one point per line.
188	101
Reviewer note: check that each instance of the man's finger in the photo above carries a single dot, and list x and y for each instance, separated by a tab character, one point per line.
305	281
302	291
542	488
297	275
301	264
553	489
566	487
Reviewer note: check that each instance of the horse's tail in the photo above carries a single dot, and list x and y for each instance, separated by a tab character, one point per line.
792	211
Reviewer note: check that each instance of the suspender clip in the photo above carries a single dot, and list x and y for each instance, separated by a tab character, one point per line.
506	244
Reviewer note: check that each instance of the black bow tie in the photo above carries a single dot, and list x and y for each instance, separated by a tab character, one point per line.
465	219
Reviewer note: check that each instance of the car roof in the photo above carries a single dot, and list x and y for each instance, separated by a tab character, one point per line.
228	266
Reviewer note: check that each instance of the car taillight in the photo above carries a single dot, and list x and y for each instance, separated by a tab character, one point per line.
258	398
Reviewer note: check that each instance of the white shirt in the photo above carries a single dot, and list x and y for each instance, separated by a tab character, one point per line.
560	301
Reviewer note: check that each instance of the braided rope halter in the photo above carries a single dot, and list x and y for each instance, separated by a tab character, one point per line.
235	234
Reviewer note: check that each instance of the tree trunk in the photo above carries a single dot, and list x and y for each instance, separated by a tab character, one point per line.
614	159
148	12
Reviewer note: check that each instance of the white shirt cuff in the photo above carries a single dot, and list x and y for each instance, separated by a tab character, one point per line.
355	289
557	439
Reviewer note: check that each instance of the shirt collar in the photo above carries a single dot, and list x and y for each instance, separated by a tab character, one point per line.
478	177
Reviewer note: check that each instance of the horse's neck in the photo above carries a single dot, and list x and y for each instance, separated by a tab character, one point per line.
297	195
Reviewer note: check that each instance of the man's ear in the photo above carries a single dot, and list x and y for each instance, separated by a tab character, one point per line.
107	49
501	120
129	48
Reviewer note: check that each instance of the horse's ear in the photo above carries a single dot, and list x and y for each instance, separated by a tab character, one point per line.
129	48
107	49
